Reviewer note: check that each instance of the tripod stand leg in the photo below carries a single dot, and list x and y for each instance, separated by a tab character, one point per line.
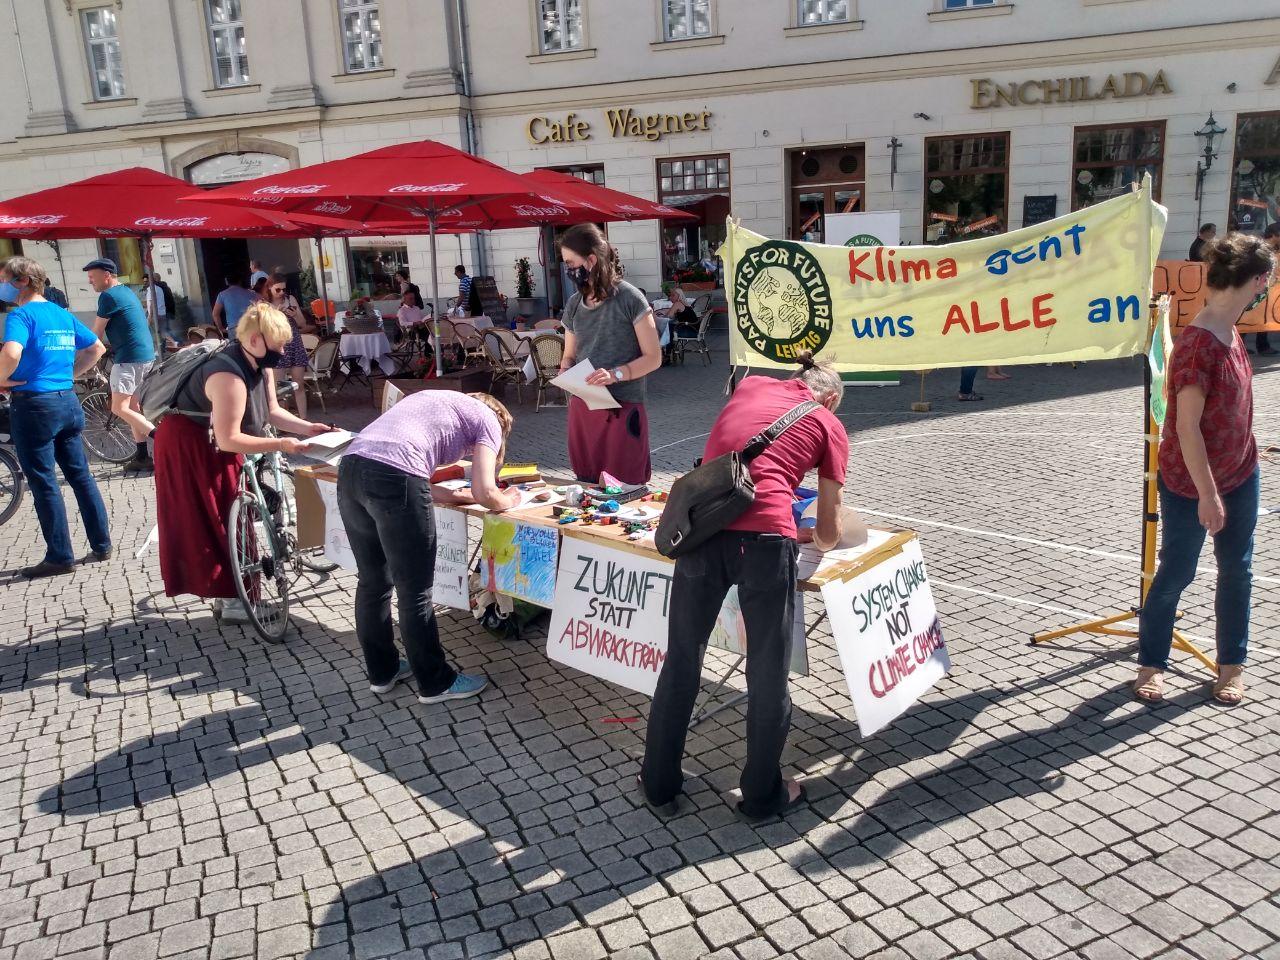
1186	646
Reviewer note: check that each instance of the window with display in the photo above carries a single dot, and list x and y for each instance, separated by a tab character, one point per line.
700	186
374	265
1109	159
966	187
1255	178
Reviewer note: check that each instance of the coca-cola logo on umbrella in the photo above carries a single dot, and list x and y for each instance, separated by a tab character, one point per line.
301	190
39	220
427	188
171	221
329	206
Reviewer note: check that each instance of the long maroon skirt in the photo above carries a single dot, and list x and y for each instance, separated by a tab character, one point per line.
612	440
195	484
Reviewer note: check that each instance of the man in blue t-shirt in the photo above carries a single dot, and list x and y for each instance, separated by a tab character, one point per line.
123	321
230	306
45	348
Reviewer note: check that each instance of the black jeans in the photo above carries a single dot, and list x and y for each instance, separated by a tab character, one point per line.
391	525
764	568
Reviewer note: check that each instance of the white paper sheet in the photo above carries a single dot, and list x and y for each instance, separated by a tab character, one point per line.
574	380
391	395
329	446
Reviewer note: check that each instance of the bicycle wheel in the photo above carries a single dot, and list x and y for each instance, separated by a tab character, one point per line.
105	435
260	572
11	485
312	558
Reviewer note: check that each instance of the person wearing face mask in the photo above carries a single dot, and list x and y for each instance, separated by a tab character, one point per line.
226	406
609	322
1208	477
45	349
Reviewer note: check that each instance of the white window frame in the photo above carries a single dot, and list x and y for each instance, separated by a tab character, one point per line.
561	10
363	7
665	23
90	44
850	5
229	28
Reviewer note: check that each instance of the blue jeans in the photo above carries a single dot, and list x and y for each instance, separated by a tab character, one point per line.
46	430
1182	539
967	376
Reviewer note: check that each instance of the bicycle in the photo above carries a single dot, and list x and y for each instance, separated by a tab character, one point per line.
265	558
105	435
12	483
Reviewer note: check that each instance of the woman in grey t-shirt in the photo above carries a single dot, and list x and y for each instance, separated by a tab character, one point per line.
610	323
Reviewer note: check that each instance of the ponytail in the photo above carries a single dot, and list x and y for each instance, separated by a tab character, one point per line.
822	379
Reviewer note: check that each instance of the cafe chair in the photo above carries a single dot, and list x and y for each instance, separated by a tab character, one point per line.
472	344
504	365
321	368
550	323
682	343
547	351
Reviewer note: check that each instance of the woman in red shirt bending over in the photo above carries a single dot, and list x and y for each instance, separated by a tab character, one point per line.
1209	470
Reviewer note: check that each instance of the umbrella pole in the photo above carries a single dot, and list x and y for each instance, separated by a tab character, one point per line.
322	286
149	269
435	291
545	233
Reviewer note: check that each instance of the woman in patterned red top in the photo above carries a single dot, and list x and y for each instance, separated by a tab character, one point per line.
1209	470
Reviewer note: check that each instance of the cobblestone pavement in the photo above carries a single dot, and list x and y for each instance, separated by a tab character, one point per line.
170	789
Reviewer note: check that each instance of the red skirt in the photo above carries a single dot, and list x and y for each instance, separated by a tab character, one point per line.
195	485
612	440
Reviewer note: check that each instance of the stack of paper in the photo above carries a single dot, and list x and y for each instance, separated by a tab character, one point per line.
330	446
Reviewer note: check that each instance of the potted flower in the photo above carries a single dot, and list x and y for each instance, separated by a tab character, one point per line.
525	303
695	277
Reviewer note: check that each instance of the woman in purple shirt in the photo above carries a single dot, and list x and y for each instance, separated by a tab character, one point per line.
385	497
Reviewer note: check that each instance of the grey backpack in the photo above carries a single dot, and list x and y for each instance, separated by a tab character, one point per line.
165	382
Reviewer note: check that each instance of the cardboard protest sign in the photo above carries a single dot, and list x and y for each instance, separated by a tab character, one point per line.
730	631
337	548
1073	288
610	614
519	559
887	632
450	586
1184	282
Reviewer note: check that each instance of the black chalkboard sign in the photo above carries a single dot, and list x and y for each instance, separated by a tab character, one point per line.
491	303
1039	209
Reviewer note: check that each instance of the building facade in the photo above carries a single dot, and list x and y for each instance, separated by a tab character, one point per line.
965	116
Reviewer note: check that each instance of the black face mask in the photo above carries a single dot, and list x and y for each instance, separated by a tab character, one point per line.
270	359
580	275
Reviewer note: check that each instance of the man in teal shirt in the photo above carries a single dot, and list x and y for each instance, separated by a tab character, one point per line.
122	322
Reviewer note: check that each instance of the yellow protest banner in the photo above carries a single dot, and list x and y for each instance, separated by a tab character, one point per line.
1074	288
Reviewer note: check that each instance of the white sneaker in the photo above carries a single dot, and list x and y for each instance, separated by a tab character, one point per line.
233	611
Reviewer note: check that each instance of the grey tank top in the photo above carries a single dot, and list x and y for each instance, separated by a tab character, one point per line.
231	360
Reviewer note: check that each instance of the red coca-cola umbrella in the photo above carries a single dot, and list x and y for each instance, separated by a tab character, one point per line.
616	204
136	202
424	180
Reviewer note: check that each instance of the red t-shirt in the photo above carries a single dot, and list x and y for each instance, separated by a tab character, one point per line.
816	440
1226	377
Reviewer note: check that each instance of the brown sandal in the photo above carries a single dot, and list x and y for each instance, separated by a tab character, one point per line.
1149	687
1229	690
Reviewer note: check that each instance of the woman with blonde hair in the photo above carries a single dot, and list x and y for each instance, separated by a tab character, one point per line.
226	406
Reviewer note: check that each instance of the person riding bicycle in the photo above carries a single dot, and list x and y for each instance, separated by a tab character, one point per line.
45	347
199	452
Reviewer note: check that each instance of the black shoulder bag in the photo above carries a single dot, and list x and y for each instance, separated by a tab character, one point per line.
713	494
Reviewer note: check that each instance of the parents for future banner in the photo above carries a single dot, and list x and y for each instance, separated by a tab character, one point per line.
1073	288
